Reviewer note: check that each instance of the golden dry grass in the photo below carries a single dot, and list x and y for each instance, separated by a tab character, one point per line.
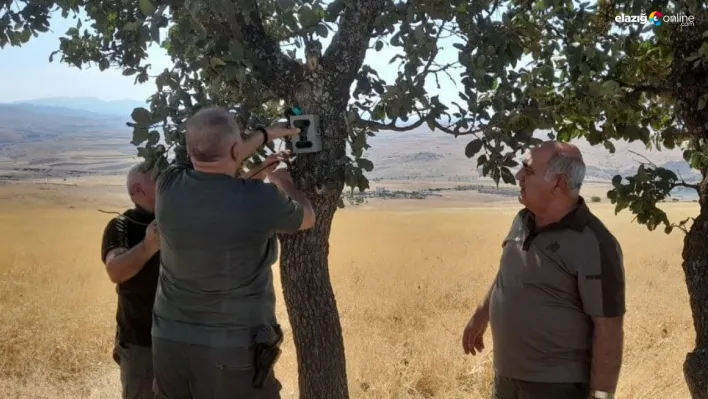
406	282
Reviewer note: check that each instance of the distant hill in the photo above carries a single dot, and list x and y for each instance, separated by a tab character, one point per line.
424	155
89	104
38	110
18	121
32	133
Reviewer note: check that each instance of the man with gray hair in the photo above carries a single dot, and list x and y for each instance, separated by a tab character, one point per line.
130	252
215	334
557	304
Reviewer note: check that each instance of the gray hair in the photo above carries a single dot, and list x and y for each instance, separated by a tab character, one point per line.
570	167
206	131
137	174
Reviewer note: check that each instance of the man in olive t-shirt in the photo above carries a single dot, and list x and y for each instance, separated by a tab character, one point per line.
215	292
557	304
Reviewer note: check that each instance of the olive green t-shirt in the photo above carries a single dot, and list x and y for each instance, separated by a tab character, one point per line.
217	247
552	282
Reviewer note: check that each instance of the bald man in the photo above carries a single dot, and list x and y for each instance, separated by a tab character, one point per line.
557	304
214	327
130	252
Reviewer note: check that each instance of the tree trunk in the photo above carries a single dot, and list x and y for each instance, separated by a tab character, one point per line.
304	267
695	267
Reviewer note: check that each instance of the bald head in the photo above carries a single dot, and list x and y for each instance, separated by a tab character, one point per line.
208	134
141	186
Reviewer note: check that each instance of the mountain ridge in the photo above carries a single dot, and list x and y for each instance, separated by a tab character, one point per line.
419	154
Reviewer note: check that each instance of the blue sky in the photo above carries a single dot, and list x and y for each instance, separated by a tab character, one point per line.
28	74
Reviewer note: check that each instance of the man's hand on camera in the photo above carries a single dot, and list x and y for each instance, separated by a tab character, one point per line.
271	162
280	177
281	131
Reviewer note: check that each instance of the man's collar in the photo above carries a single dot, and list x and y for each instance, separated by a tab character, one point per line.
576	219
142	214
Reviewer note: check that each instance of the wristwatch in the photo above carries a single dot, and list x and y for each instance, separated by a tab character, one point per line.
594	394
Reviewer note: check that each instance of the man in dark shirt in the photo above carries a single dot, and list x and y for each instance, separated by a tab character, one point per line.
215	300
130	251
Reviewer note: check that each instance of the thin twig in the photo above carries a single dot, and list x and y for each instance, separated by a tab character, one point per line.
647	159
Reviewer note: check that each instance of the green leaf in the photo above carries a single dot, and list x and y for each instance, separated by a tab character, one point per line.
687	155
216	61
696	160
473	148
236	50
287	4
702	102
322	30
507	176
362	183
140	134
365	164
306	16
141	116
133	26
610	86
379	45
155	32
146	7
25	35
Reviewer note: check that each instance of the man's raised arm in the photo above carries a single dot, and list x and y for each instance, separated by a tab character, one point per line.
282	207
123	262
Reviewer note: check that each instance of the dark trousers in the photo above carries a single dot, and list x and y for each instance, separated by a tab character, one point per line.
509	388
136	371
184	371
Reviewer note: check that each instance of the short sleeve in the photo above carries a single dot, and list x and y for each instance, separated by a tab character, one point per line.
601	279
277	211
165	179
115	235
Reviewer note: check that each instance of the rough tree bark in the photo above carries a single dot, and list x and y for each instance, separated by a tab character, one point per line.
695	266
304	267
689	83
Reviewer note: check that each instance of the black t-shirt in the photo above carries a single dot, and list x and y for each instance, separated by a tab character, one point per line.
136	296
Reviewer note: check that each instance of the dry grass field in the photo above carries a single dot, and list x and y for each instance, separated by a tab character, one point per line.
406	280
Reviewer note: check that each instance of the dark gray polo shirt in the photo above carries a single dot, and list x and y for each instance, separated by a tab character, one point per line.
217	247
551	283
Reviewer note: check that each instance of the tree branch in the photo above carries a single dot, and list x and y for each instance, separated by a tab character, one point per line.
275	70
376	126
646	89
346	53
684	184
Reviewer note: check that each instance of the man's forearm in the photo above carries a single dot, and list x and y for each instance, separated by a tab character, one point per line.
253	143
607	345
297	195
124	266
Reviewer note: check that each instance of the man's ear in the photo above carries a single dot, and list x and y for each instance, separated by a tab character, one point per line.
562	183
234	152
136	188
